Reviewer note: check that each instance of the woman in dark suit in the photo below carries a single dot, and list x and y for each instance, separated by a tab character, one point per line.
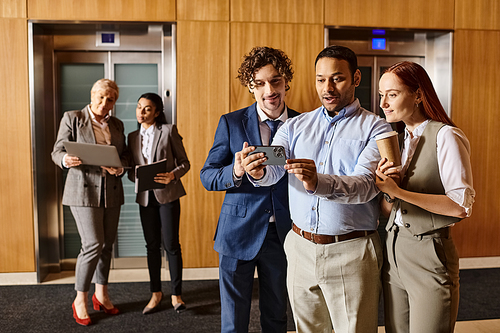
94	194
160	208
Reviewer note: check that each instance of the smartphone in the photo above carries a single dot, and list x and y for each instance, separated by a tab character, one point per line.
275	154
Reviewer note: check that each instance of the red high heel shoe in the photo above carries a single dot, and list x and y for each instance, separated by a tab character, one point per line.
84	322
98	307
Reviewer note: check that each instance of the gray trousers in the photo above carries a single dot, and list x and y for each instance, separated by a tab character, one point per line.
97	227
420	280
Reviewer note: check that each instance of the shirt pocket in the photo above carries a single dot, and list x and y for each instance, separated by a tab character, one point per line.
346	154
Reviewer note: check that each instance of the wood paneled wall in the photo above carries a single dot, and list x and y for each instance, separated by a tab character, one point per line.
301	42
277	11
423	14
477	14
17	253
476	78
104	10
13	8
202	97
203	10
476	82
212	36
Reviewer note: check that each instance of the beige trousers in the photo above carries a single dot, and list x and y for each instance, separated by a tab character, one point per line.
420	279
334	286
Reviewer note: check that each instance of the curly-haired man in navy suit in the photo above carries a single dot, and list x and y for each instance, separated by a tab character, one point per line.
253	221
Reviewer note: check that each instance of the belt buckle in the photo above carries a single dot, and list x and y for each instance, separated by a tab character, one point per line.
312	238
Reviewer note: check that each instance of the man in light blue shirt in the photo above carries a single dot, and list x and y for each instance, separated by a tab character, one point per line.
334	253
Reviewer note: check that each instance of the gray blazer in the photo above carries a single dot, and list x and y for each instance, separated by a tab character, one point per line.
83	183
167	143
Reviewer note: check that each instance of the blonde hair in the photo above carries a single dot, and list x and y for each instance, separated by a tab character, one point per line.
105	84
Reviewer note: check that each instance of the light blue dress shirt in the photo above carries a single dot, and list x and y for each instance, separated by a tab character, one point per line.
346	157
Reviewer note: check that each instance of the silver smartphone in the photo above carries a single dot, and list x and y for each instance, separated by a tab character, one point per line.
275	154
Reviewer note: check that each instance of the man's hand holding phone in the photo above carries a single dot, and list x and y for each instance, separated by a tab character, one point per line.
251	161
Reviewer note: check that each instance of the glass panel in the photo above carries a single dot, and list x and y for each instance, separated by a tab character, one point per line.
76	81
364	90
133	80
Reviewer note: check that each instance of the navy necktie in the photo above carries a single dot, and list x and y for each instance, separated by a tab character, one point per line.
273	125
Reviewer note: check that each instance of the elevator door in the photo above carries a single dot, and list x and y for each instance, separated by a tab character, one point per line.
135	73
372	68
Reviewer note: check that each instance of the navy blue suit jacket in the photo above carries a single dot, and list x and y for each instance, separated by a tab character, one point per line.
245	212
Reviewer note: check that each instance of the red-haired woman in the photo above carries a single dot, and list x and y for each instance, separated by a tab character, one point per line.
420	274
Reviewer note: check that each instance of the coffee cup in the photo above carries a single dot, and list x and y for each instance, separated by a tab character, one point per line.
388	147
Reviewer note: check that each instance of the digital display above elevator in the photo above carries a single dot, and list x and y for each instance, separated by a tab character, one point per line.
107	38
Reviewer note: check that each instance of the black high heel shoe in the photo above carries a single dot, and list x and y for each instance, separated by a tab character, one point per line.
179	307
148	310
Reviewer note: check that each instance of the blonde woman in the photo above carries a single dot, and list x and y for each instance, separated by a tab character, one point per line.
94	194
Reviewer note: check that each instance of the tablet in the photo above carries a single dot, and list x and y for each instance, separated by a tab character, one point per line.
93	154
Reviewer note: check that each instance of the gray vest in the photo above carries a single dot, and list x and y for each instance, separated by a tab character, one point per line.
422	176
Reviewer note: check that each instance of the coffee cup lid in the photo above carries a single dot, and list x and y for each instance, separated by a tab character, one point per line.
385	135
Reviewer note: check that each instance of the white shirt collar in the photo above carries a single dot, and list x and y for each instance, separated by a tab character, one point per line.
417	132
263	117
147	131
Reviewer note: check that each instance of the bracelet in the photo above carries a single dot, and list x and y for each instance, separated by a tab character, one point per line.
388	198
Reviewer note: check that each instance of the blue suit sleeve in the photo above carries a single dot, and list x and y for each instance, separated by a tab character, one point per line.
217	172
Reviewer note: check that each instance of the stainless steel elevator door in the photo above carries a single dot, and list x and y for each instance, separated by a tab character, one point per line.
372	68
135	73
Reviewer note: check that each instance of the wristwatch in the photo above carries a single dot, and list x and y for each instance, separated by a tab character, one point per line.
387	198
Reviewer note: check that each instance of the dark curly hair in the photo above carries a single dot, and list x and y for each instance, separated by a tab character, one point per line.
261	56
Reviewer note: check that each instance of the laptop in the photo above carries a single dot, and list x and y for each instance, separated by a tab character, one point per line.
93	154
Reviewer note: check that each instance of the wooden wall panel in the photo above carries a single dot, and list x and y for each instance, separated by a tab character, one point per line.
13	8
277	11
479	14
476	82
16	202
202	10
391	13
106	10
301	42
202	97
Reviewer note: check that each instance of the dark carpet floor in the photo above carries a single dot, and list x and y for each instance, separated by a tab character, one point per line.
47	308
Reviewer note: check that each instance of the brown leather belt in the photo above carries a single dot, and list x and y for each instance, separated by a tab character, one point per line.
328	239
